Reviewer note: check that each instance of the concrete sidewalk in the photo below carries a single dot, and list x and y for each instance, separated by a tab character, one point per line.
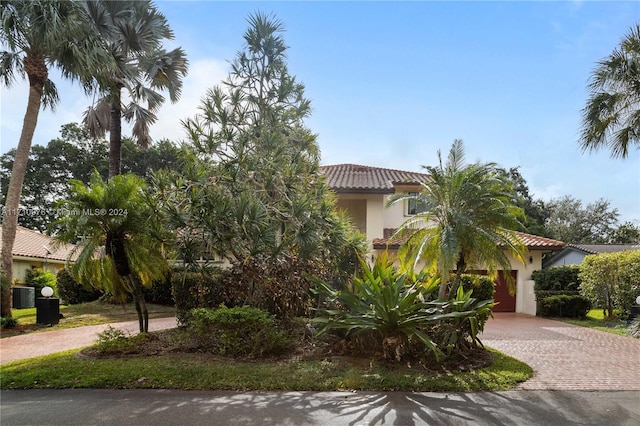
48	342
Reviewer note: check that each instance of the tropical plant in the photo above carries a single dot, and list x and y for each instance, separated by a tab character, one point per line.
394	312
384	309
119	245
36	35
132	33
253	167
611	118
468	220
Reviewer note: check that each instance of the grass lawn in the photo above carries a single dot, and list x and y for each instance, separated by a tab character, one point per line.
595	319
206	372
92	313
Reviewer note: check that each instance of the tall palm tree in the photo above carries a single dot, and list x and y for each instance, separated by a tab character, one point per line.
611	118
121	249
468	219
37	35
133	32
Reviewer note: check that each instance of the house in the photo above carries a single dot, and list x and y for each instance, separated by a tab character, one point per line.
363	191
32	250
574	254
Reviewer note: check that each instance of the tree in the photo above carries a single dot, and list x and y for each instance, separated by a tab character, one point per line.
74	155
611	118
38	34
251	188
626	233
469	220
132	32
569	221
534	209
611	280
121	248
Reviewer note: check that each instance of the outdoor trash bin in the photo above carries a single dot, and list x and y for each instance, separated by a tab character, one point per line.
48	310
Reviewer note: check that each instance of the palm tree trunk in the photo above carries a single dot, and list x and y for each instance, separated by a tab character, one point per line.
36	70
115	137
141	306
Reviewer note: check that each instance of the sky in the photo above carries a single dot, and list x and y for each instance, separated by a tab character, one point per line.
393	83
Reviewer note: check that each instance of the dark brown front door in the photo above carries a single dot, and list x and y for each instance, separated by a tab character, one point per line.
506	302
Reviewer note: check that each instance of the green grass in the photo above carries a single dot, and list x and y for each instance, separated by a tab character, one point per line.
92	313
595	319
199	371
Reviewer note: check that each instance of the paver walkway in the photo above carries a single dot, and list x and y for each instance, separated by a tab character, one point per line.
48	342
564	356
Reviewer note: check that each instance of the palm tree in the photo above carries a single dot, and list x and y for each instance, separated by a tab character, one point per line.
611	118
468	219
36	35
121	247
133	32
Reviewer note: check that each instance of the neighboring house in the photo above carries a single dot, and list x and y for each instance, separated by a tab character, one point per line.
574	254
32	250
363	191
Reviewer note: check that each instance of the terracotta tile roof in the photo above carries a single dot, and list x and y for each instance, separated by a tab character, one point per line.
345	178
31	243
533	242
604	248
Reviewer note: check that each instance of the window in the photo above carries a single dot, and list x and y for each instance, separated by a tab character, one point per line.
414	206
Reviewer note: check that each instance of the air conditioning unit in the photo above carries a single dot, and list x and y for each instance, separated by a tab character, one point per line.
24	297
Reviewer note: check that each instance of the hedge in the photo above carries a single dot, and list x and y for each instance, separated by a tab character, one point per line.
564	306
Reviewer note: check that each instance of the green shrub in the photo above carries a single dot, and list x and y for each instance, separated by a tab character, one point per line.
557	278
564	306
483	287
192	290
160	292
8	322
611	280
281	285
113	341
38	279
72	292
238	332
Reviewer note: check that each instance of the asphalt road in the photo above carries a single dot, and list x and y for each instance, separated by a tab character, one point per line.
169	407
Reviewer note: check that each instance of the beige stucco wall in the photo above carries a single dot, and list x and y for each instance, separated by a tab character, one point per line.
21	266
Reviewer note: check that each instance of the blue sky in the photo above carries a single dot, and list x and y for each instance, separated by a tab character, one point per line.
391	83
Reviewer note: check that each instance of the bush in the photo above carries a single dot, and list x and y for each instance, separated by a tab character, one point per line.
8	322
72	292
160	292
557	278
38	279
280	285
564	306
611	280
113	341
192	290
483	287
552	283
238	332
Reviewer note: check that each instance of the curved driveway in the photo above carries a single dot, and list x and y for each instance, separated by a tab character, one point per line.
564	356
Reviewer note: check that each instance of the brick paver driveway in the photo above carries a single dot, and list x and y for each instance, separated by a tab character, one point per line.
564	356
